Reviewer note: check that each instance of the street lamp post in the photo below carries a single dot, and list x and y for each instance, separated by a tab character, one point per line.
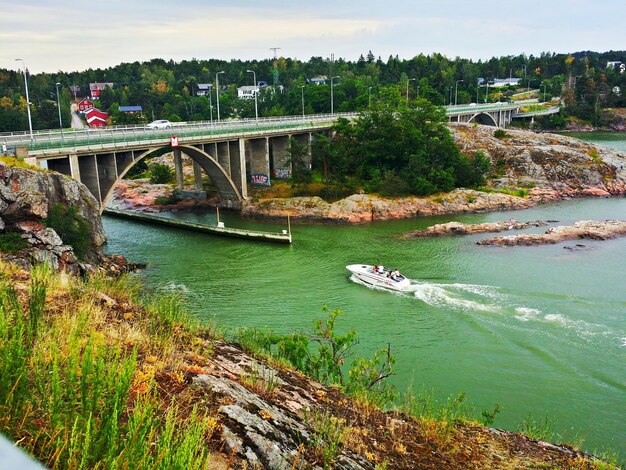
544	92
211	100
217	93
450	96
59	106
256	104
302	91
487	95
456	89
407	89
30	122
332	99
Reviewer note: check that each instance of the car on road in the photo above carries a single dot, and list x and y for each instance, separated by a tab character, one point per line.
159	124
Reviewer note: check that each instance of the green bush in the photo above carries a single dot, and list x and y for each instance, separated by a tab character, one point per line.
71	227
161	174
167	200
500	134
11	242
393	185
138	170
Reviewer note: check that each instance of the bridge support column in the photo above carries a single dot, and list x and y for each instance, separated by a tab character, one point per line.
305	140
222	150
280	157
238	166
89	175
260	161
178	165
74	168
197	176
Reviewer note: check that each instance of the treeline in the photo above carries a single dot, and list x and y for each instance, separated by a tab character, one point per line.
168	89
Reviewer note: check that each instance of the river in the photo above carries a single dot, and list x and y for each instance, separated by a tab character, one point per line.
539	330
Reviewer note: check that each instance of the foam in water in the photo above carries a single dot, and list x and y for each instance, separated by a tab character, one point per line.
173	287
474	298
452	295
527	313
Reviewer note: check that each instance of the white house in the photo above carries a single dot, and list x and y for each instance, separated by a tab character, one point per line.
204	89
247	92
498	82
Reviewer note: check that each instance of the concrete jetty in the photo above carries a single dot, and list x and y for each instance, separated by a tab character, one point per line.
219	229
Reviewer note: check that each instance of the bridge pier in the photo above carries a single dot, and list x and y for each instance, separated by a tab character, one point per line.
222	155
305	140
280	157
238	166
88	168
259	161
178	165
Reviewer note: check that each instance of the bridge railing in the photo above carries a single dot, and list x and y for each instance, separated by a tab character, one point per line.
122	136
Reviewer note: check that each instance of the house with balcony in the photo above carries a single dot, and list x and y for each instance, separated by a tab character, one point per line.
96	87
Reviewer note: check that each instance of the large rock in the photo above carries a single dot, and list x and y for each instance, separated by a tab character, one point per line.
360	208
585	229
26	197
565	165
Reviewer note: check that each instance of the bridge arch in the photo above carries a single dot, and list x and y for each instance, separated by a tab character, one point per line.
484	118
226	188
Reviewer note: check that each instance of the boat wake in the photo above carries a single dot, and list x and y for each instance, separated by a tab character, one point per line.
492	303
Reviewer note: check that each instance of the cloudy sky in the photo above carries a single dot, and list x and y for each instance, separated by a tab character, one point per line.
69	35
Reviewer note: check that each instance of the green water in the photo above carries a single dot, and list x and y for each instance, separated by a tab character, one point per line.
540	330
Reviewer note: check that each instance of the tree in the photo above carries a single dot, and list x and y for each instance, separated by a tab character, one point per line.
409	142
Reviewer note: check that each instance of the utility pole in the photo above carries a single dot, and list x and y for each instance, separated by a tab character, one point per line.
275	72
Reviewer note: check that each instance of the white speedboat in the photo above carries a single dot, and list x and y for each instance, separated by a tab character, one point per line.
379	276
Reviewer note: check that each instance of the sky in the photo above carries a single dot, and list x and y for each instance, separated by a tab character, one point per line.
68	35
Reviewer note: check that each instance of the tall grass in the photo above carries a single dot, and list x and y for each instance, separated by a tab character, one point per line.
73	396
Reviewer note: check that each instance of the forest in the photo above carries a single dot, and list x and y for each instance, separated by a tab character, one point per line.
169	90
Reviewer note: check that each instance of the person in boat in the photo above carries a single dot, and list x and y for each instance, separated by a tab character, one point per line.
395	275
374	269
381	269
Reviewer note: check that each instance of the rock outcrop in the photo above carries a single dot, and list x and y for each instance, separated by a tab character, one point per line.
585	229
459	228
26	197
544	166
552	166
360	208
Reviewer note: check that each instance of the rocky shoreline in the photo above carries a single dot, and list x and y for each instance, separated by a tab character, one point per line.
582	230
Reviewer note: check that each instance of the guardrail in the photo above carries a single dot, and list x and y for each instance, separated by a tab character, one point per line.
123	136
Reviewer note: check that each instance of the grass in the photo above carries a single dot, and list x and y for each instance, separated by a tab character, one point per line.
73	390
11	242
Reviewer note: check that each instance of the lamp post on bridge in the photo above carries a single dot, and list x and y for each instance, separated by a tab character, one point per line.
30	122
217	93
59	106
211	100
450	96
256	105
456	88
544	92
302	90
332	100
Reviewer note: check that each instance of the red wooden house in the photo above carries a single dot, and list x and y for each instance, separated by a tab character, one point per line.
96	118
85	105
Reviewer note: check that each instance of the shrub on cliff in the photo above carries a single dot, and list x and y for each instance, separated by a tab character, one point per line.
71	227
11	242
161	174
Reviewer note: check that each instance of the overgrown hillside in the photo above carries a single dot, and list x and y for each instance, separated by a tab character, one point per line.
96	374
